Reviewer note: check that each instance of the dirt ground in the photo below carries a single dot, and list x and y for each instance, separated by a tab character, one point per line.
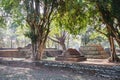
26	72
42	73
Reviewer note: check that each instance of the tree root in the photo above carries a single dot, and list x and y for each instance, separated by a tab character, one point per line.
115	60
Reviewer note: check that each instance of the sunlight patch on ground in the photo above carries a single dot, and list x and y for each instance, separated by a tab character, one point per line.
50	58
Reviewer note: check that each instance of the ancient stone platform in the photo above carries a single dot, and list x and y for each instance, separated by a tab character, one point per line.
94	52
71	55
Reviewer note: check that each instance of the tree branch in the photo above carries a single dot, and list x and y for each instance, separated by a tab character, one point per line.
101	32
53	40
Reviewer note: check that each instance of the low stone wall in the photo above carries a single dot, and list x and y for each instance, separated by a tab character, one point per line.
7	48
25	52
110	71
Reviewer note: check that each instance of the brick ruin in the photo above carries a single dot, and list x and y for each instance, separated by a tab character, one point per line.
89	51
71	55
14	53
94	52
26	52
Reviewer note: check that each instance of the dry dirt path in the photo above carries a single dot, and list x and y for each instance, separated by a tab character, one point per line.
42	73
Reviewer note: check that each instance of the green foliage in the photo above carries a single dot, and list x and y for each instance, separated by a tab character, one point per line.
2	22
10	5
13	9
31	35
115	5
55	28
72	15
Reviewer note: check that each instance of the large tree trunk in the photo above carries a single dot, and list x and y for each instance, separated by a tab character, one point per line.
41	48
34	51
37	50
114	57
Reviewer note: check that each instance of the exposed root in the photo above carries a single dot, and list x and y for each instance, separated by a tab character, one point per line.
116	60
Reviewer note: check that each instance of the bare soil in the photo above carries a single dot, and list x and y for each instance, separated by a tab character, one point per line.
28	72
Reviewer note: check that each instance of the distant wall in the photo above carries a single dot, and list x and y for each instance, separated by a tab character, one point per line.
11	53
25	53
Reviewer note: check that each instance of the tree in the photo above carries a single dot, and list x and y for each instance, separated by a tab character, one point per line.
39	16
109	12
71	17
105	19
60	39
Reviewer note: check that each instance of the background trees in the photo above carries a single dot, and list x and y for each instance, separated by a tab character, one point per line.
73	16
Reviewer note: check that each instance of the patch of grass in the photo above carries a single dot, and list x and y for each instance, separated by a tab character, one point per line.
50	58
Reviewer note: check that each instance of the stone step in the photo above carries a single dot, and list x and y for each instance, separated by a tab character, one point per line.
61	58
95	53
96	56
76	59
72	56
